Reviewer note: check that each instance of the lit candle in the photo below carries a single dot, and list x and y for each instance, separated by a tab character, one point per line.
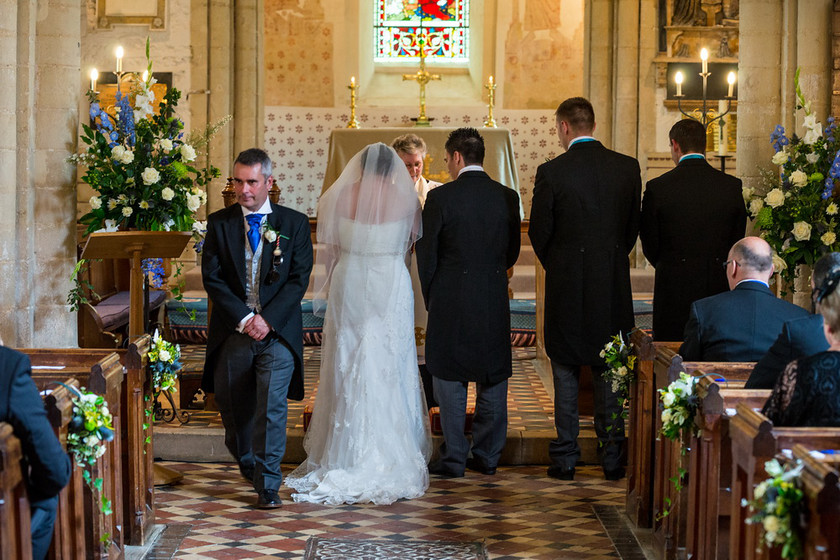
119	54
352	81
704	58
491	81
94	75
678	79
724	129
731	79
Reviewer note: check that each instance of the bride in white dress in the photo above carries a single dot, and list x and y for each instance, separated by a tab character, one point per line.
369	438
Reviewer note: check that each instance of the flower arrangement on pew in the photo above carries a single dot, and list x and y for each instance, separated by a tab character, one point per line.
620	361
165	363
89	430
679	405
777	506
796	209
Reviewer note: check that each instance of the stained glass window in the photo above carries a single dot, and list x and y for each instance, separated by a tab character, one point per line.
402	25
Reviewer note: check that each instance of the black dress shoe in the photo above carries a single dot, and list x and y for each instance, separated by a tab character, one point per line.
614	474
561	473
477	465
438	469
268	499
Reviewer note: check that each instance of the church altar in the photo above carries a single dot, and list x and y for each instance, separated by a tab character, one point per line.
499	160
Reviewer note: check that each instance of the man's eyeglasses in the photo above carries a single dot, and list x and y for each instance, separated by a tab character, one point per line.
730	261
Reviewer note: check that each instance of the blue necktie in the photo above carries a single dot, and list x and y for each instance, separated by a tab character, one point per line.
254	230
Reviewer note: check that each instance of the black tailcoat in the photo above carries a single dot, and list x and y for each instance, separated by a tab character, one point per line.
470	238
584	223
223	270
691	217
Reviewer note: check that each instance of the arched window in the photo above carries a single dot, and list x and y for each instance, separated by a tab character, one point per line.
400	25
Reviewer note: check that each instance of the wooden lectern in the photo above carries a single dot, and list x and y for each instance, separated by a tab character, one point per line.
135	246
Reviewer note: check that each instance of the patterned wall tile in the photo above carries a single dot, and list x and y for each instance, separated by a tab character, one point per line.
297	138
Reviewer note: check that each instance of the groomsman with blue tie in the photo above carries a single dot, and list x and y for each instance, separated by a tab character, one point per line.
584	223
255	264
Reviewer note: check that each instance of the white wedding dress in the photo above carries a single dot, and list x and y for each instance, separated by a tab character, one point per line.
369	438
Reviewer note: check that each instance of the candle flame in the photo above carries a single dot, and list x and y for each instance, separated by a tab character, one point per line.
94	74
678	77
119	51
704	54
731	78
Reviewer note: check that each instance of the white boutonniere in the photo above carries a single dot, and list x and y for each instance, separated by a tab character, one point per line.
270	235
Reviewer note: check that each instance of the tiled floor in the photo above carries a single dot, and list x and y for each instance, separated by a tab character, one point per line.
518	513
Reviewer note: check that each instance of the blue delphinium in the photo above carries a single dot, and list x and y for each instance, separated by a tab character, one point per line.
154	267
126	118
833	174
829	130
778	138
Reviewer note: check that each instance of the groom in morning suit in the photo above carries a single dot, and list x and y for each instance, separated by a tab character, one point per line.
691	216
470	239
584	223
255	264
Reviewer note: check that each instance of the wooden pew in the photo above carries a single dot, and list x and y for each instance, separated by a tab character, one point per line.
710	467
669	504
137	465
754	442
641	429
821	486
101	373
15	533
69	533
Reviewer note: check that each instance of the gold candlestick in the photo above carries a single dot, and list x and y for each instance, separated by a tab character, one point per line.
490	122
353	87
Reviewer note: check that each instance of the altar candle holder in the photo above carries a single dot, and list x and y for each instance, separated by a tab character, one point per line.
353	87
490	122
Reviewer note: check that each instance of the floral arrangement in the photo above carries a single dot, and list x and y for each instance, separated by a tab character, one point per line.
140	164
89	430
679	404
776	505
165	363
796	209
620	362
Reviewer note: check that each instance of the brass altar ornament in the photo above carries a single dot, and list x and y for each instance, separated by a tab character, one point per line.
490	122
422	77
353	87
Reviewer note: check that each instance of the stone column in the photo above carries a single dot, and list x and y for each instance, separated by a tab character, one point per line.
625	121
598	64
813	55
760	84
52	201
248	72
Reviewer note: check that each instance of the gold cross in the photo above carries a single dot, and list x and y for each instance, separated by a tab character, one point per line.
422	77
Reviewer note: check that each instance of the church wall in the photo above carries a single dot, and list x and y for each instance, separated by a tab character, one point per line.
313	47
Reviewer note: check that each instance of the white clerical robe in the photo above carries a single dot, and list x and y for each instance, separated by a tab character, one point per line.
423	187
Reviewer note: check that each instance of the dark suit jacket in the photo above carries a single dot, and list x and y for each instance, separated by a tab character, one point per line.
223	271
584	223
49	466
736	326
470	238
800	337
691	217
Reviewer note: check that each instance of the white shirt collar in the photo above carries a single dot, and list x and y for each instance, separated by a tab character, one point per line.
470	168
581	139
752	280
264	209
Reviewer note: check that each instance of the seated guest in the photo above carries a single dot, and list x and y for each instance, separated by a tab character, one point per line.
412	149
739	325
808	391
800	337
48	466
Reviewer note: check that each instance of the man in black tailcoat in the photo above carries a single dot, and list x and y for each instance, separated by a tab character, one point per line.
46	466
470	238
584	223
255	264
691	216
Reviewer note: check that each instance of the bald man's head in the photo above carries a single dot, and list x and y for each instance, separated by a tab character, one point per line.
751	258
